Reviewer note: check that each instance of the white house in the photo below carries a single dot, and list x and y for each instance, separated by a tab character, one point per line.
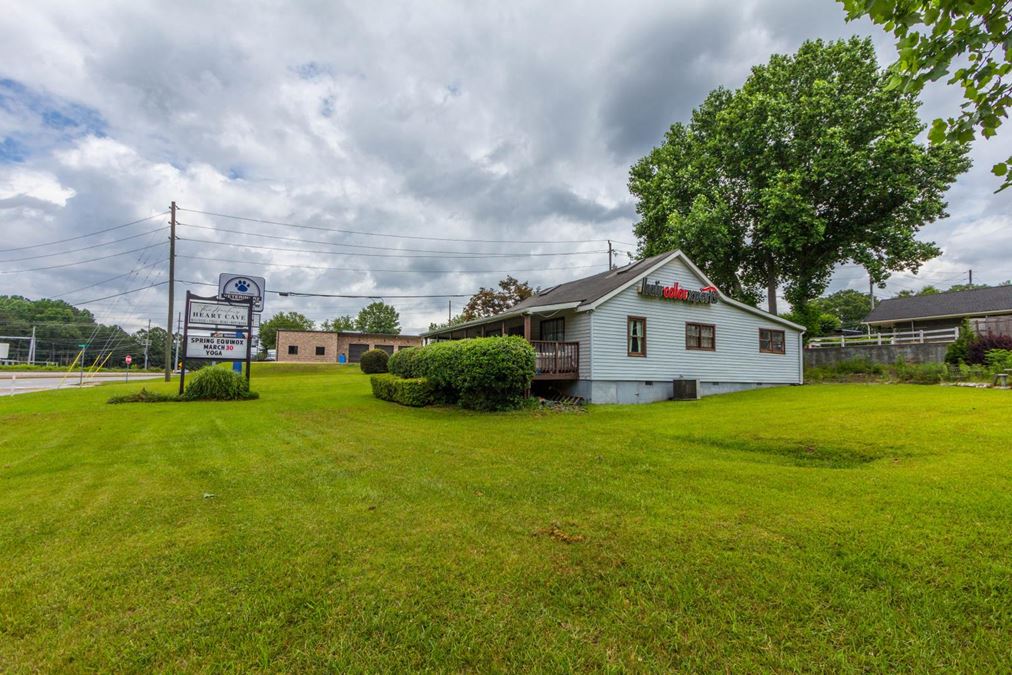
650	331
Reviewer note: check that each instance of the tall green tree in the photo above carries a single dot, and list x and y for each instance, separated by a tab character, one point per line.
282	320
930	36
813	162
490	301
345	322
378	317
848	305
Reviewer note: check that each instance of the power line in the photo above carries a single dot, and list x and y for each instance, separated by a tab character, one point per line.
331	243
300	294
396	236
402	271
103	281
388	255
116	295
81	262
82	236
84	248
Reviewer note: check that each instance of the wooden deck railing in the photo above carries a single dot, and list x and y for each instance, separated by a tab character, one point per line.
557	360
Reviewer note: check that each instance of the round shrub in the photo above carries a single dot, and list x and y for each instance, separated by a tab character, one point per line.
217	384
374	361
404	362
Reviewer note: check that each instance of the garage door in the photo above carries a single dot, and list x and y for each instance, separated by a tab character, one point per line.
389	349
355	352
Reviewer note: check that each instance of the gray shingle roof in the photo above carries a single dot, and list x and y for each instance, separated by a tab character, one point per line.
590	288
954	303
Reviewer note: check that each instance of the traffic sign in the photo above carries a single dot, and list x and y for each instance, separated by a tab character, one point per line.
128	359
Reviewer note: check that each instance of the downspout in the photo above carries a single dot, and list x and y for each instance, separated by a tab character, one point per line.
801	357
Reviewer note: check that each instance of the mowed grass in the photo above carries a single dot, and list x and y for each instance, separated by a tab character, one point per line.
843	527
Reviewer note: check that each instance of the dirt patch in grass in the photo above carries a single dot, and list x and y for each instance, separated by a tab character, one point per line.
555	531
800	453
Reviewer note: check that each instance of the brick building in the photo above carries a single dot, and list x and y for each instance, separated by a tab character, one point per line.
318	346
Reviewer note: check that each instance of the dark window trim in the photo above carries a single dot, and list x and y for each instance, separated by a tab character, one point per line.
321	350
628	336
293	350
783	341
541	329
700	348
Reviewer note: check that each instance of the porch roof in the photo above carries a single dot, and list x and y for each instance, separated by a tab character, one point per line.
510	314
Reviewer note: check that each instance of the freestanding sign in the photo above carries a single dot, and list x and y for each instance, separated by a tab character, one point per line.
242	287
230	327
213	347
215	313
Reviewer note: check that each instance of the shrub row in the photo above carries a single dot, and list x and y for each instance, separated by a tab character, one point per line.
416	391
914	373
481	373
973	349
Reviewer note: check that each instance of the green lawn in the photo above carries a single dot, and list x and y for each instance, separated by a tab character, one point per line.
844	527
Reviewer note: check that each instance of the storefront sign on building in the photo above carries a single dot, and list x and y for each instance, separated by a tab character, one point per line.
704	296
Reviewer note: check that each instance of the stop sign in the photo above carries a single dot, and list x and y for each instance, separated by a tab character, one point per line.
128	359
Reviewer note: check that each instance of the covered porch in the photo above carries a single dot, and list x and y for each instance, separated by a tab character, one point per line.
557	358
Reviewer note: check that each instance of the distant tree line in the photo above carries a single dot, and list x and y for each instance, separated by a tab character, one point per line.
60	328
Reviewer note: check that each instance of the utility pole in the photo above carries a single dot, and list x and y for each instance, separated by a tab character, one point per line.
172	286
449	311
971	277
147	341
31	348
871	291
610	266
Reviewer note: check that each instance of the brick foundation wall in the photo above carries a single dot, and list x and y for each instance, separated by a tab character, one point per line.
335	344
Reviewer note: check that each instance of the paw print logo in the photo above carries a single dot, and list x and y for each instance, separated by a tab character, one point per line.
242	286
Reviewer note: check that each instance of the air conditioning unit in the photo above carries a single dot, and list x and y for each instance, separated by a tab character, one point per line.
685	390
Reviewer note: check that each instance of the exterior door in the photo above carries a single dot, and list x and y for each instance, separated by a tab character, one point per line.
356	350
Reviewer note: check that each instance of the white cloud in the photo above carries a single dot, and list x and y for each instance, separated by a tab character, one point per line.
509	122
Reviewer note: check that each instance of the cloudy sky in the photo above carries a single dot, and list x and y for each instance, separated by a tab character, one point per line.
431	124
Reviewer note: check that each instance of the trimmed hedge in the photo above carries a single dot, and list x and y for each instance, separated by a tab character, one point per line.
415	392
404	362
374	361
217	384
491	373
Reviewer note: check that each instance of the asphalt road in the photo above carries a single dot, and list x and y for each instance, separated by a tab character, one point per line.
12	383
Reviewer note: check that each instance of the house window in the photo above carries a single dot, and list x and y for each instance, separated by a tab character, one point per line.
321	351
701	336
293	349
554	330
772	341
636	336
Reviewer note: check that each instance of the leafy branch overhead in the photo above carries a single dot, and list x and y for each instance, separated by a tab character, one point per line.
930	36
814	162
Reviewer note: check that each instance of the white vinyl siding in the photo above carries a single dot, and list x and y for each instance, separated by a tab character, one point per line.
736	359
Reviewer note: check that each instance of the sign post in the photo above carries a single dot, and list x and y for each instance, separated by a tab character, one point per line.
128	360
229	324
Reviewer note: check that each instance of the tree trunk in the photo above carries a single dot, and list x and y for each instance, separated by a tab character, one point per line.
771	287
